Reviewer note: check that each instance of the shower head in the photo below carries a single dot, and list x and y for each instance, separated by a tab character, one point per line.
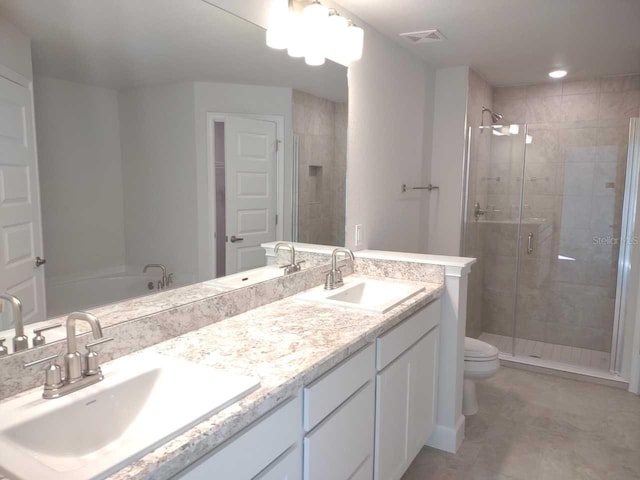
495	117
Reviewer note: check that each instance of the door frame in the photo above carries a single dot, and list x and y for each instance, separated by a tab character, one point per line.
213	117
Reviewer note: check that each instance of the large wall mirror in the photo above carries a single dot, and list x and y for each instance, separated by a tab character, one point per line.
168	134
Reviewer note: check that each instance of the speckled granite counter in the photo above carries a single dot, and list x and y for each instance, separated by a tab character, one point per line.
286	344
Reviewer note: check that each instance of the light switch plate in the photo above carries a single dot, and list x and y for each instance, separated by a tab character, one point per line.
359	235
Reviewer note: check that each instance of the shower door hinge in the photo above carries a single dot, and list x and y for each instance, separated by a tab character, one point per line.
277	146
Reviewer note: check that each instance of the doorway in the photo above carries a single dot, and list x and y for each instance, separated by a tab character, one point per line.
245	174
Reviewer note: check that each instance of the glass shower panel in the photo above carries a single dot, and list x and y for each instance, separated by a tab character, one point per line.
573	188
491	222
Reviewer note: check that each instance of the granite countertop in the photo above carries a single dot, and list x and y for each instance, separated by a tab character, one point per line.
286	344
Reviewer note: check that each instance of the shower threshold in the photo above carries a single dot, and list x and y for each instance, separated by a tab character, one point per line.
560	360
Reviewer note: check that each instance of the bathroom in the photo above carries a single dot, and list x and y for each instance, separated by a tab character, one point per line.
348	239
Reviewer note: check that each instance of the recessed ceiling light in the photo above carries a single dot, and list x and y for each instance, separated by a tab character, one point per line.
558	74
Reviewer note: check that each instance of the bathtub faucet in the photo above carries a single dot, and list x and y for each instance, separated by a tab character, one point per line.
166	279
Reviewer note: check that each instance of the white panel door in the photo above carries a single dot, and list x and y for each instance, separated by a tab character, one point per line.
251	191
20	227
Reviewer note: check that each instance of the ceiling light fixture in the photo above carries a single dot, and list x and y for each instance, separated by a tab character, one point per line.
316	33
558	73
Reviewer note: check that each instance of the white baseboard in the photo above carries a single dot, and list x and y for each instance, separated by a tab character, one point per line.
447	438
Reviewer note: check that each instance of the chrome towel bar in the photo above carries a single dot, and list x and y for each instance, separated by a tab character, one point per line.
428	187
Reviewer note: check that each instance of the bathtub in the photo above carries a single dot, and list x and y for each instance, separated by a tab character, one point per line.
67	295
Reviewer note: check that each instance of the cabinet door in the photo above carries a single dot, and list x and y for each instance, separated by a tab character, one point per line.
405	408
422	391
392	418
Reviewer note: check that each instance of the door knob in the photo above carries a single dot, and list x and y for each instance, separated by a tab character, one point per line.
235	239
40	261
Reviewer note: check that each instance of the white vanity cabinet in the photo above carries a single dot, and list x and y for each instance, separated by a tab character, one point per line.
339	411
405	391
269	449
366	418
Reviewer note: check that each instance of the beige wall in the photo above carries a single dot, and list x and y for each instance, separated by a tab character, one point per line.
322	127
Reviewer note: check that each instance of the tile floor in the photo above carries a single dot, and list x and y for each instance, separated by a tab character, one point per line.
549	351
539	427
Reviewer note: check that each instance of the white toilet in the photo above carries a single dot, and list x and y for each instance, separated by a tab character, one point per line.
480	362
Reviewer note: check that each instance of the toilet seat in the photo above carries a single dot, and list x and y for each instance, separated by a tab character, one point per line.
479	351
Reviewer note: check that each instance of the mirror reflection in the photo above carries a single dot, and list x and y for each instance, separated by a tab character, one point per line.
157	144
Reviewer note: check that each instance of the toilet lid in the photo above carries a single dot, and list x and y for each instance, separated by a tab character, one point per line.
479	350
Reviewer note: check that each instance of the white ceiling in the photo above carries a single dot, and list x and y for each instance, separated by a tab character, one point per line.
512	42
123	43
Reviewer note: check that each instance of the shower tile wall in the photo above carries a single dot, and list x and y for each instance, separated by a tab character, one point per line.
322	128
480	94
574	187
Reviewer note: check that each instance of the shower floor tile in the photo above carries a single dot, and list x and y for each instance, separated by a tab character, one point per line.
582	357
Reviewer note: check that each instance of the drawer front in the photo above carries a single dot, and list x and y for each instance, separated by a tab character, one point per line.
328	392
288	467
396	341
251	451
340	446
365	472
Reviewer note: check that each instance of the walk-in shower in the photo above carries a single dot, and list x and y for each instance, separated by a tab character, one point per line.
546	215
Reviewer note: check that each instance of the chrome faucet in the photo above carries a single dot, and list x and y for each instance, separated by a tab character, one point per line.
477	211
80	370
164	283
334	276
20	340
73	359
293	266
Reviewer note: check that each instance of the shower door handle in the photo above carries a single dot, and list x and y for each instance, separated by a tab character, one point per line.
530	244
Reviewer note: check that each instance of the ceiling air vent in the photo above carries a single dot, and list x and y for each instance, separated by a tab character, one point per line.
426	36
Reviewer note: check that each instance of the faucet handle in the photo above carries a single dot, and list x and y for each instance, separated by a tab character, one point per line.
38	338
42	360
89	346
91	363
53	373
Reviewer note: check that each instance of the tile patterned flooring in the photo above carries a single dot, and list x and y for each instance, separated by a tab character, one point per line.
533	426
549	351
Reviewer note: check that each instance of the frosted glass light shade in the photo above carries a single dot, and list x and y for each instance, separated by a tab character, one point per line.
278	26
297	36
336	36
315	19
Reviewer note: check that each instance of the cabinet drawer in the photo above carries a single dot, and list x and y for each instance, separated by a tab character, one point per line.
328	392
342	446
365	472
252	450
287	467
397	340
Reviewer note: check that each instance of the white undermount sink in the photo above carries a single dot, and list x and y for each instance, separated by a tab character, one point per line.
366	294
143	402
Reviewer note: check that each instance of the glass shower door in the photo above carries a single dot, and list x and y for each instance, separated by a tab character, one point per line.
491	229
573	187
